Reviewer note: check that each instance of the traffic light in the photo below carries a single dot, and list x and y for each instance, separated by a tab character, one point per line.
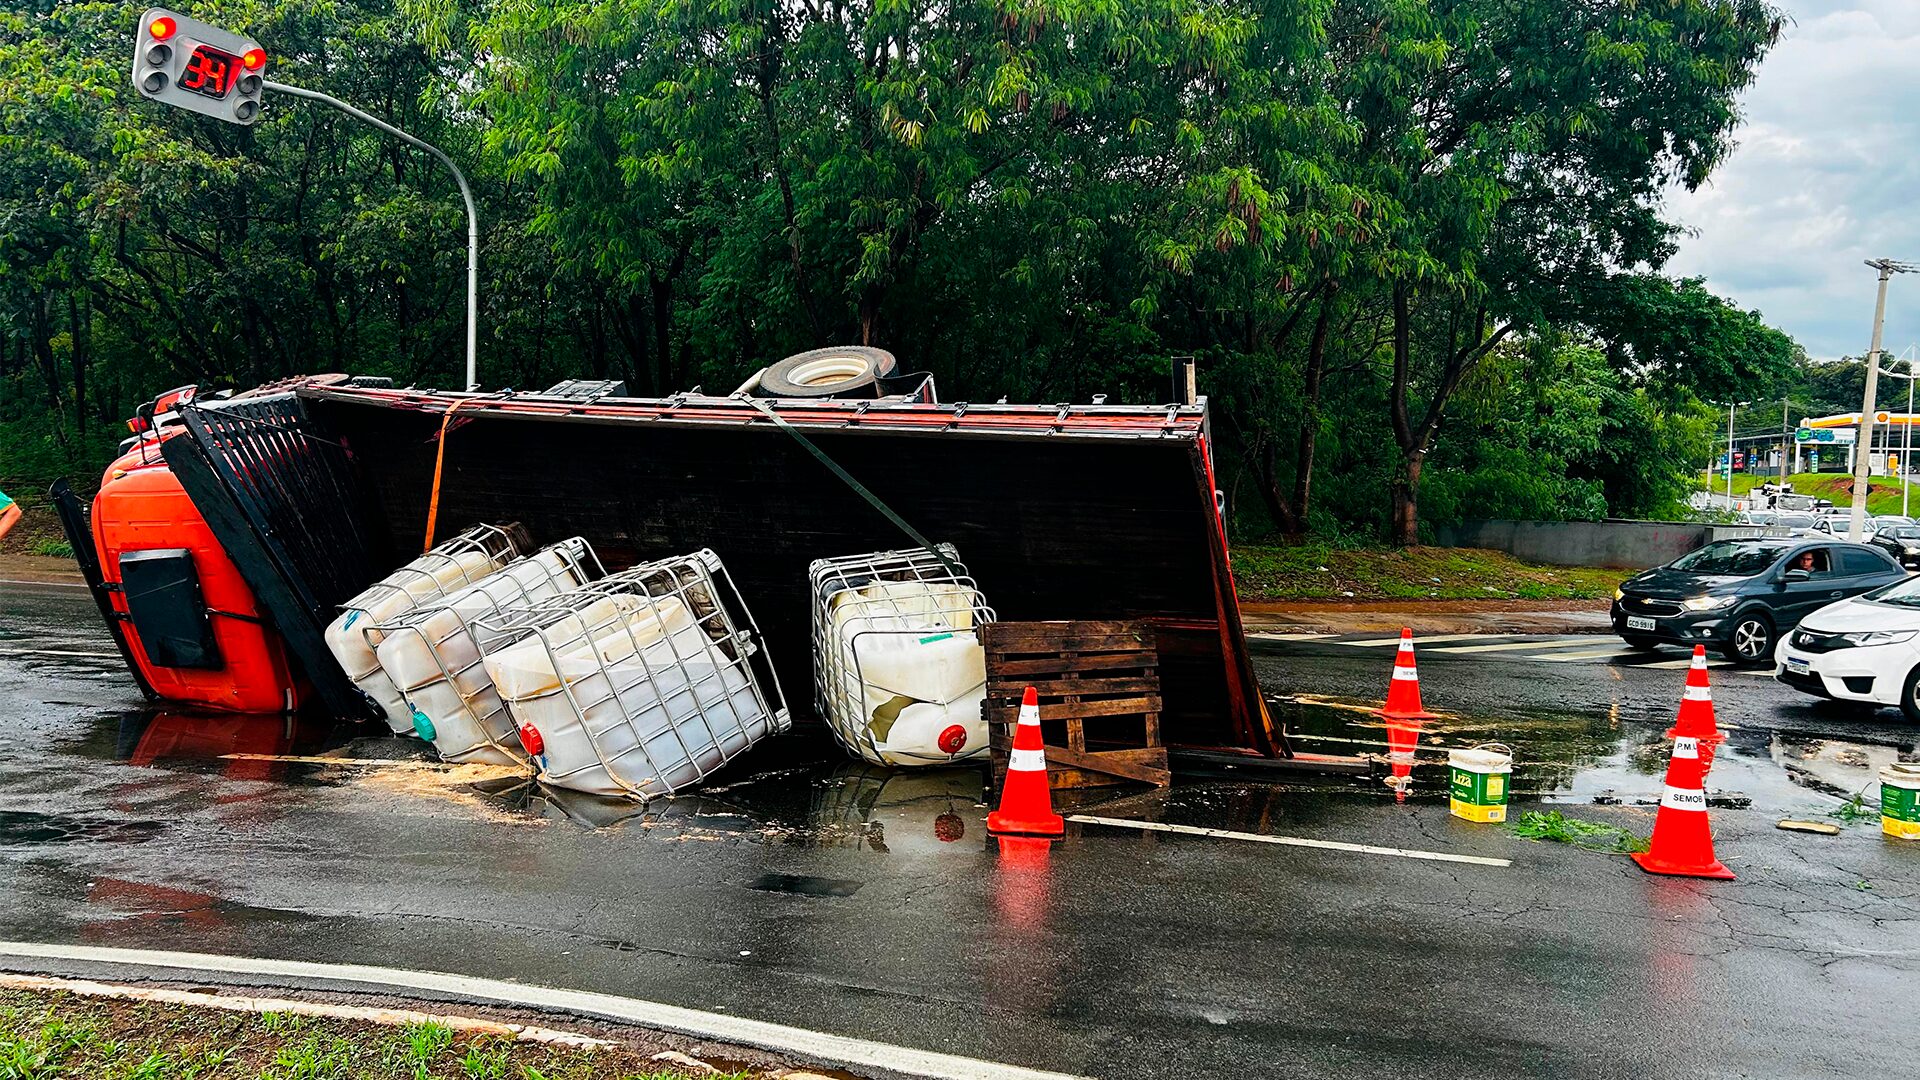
190	65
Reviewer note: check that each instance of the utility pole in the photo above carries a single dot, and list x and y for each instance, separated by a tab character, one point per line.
1786	440
1863	442
1730	407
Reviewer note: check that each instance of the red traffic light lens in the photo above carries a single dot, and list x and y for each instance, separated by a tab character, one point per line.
253	59
161	28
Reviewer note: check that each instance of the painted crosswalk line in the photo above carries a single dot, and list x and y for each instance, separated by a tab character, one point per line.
1585	640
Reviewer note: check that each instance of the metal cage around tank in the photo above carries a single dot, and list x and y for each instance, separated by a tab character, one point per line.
464	716
910	593
641	684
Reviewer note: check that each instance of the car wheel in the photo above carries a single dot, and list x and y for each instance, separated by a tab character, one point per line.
1910	697
1751	641
1642	644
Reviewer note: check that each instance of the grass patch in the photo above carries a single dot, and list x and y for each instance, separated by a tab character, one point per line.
1554	827
56	1036
51	548
1320	571
1883	493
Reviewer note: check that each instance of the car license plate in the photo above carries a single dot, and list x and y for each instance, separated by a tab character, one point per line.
1639	622
1798	666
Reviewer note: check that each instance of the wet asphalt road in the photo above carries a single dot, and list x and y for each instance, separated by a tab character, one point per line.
813	892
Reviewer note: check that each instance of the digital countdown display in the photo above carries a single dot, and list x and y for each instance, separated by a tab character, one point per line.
210	72
198	67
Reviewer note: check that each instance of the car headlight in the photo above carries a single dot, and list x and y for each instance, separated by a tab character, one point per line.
1911	550
1706	603
1878	637
1619	594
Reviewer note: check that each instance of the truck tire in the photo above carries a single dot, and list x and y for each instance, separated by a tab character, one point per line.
842	371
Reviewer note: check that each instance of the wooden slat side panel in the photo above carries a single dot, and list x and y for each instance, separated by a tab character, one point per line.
1012	668
1099	688
1080	710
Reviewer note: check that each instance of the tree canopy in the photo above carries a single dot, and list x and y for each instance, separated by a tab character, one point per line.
1370	220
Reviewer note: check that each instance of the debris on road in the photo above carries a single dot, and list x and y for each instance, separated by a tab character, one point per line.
1554	827
1822	828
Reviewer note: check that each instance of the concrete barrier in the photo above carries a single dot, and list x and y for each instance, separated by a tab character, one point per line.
1634	545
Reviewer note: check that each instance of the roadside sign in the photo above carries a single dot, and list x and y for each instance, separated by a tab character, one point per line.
1813	460
197	67
1883	418
1825	435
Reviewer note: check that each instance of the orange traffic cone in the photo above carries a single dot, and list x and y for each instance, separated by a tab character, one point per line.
1696	704
1403	693
1026	803
1682	838
1403	738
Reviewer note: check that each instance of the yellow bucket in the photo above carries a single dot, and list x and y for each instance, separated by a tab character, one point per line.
1479	779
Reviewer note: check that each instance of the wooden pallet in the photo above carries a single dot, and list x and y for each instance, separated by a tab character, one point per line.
1099	690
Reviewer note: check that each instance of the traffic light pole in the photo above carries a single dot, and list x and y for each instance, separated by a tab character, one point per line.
466	195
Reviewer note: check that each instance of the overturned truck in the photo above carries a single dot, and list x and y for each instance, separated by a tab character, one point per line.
1064	512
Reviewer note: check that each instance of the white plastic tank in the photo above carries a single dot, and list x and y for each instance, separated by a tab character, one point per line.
432	654
641	684
900	674
451	565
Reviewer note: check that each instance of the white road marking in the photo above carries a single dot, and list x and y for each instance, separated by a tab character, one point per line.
1418	641
780	1038
1688	662
59	652
1291	841
51	584
1597	654
1515	646
1267	635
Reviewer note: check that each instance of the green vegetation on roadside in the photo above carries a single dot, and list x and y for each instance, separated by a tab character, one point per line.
50	548
1883	494
1554	827
1368	223
37	533
1317	571
44	1036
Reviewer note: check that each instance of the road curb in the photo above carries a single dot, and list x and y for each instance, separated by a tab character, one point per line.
818	1046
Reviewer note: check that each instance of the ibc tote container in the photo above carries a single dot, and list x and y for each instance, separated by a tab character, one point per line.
451	565
433	654
899	672
640	684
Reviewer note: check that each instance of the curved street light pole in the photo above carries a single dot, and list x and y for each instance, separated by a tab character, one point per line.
466	196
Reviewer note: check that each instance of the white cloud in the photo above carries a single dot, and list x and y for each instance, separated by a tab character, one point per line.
1827	174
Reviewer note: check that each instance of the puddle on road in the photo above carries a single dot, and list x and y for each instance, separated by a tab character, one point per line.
798	790
19	828
1613	758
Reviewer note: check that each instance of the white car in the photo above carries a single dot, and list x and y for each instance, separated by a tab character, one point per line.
1864	649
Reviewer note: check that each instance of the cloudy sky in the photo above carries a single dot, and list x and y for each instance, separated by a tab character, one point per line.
1827	174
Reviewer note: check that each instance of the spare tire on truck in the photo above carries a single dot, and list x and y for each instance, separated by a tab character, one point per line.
841	371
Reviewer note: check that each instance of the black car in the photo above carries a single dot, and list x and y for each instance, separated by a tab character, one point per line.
1739	596
1900	541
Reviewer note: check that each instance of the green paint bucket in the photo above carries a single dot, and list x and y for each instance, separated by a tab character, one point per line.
1479	779
1900	801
